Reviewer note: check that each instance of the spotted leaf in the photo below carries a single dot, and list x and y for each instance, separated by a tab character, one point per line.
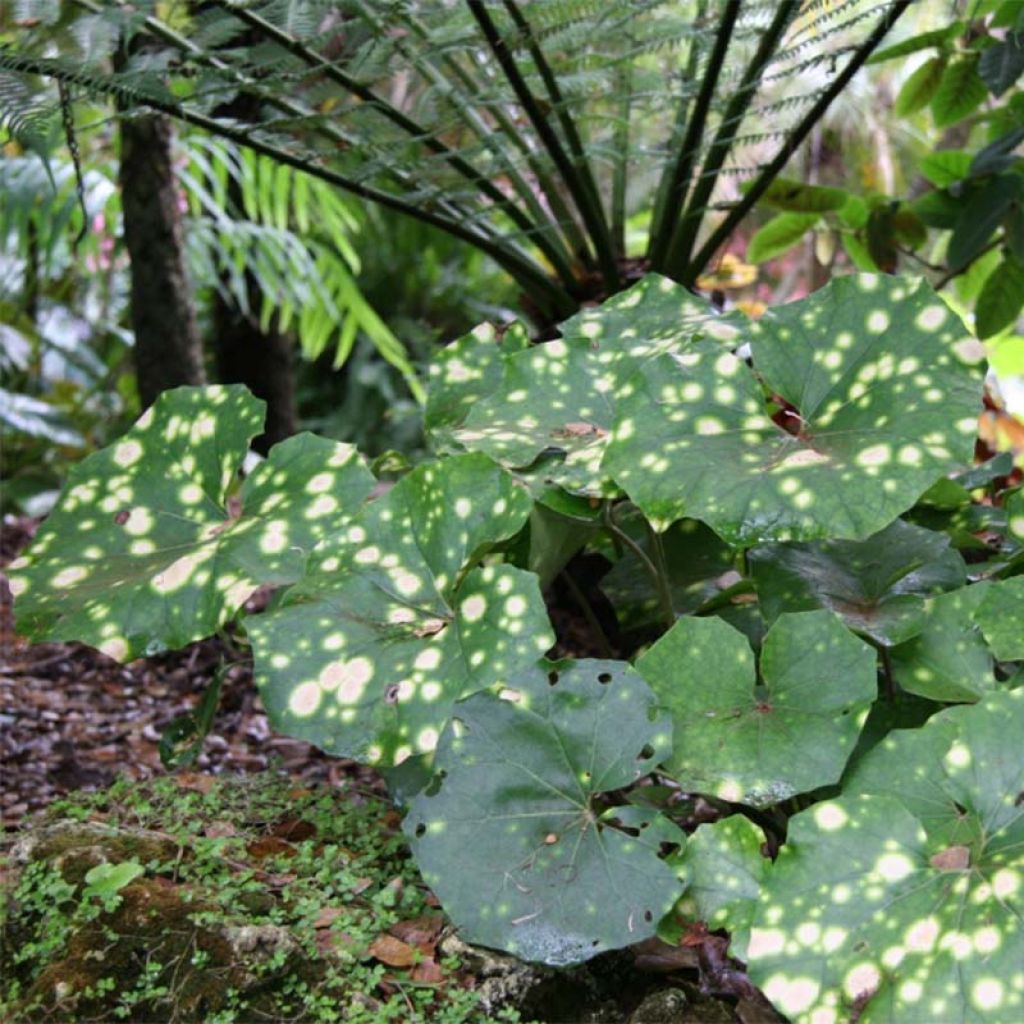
145	553
877	408
904	900
755	744
512	839
877	586
393	621
561	396
1001	618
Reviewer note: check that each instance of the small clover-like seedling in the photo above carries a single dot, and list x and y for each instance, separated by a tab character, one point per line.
760	744
512	837
883	407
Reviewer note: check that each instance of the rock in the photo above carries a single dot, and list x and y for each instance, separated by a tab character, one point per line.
665	1006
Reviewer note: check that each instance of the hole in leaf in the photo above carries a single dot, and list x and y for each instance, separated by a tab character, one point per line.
421	830
391	694
122	517
667	849
605	677
552	678
648	916
646	753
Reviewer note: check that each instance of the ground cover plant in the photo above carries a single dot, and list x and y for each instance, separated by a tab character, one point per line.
811	620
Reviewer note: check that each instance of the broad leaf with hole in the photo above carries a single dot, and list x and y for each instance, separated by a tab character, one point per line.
760	744
876	586
513	839
1000	615
144	551
393	621
559	397
883	408
904	900
948	659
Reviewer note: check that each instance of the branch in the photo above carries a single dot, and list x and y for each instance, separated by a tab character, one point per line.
773	169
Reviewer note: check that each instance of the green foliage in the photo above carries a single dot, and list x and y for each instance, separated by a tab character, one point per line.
819	576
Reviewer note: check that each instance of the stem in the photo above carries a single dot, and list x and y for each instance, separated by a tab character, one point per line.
620	173
588	613
772	170
680	247
957	271
660	580
724	597
603	243
593	217
676	179
662	566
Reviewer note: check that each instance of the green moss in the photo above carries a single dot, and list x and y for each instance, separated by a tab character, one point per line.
260	900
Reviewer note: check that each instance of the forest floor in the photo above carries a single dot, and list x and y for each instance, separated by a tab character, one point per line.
74	723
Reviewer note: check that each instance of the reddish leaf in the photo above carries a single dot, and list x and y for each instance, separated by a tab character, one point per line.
393	952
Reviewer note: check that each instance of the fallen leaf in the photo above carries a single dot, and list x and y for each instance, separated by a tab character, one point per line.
393	952
429	972
220	830
195	781
419	931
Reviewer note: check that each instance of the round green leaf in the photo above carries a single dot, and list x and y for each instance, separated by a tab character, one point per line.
948	659
511	839
1001	618
904	900
144	553
723	866
559	397
876	586
392	623
754	744
885	408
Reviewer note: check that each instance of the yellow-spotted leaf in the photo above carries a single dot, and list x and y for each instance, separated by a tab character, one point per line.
395	620
904	899
875	407
513	837
559	398
145	552
761	743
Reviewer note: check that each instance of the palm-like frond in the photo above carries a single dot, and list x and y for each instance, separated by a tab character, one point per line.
529	129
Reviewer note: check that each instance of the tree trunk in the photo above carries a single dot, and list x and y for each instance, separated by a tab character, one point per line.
168	350
262	361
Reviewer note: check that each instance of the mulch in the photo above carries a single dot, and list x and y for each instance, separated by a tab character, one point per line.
73	719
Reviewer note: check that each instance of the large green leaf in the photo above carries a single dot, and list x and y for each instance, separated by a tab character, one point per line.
143	552
393	622
904	900
1001	618
960	92
981	215
779	235
560	397
885	408
755	744
1001	298
877	586
512	841
948	659
798	197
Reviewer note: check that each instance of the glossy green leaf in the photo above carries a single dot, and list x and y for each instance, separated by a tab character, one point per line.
798	197
876	586
886	408
920	87
144	552
1001	298
738	740
999	155
1002	63
1000	616
779	235
922	876
947	660
945	167
960	92
393	622
511	839
980	217
560	397
723	865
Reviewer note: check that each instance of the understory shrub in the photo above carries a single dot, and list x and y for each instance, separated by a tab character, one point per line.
810	610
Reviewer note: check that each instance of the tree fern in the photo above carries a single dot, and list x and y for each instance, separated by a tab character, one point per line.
503	122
